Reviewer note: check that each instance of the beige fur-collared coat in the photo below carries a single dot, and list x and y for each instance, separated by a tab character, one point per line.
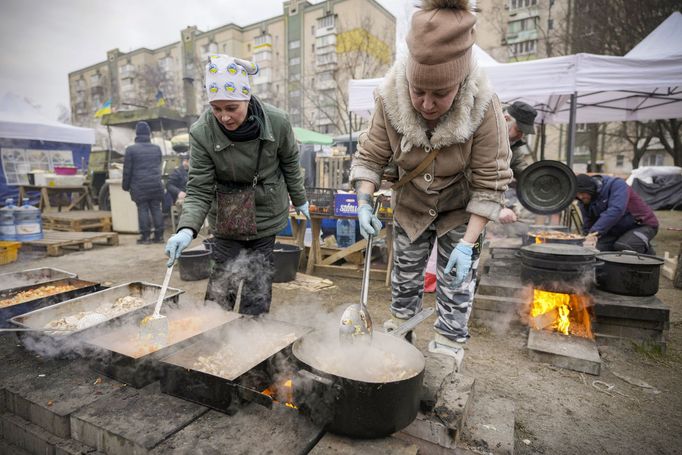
468	176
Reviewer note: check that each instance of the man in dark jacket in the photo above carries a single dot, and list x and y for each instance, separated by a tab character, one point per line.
177	181
142	178
615	214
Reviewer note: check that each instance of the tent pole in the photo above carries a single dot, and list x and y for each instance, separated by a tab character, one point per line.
570	143
542	140
350	133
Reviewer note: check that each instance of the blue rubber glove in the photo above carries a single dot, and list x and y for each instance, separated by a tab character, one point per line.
304	210
369	223
177	243
460	259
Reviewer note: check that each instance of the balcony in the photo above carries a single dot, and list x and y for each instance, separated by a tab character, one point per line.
523	35
325	62
325	85
127	72
81	108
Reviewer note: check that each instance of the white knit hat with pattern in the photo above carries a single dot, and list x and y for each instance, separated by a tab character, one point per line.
227	78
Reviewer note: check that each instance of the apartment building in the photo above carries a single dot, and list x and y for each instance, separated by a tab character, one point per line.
306	56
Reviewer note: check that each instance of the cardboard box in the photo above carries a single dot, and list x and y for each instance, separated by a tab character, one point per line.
346	204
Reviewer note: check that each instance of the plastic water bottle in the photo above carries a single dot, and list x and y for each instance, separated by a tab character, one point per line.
345	233
8	230
28	223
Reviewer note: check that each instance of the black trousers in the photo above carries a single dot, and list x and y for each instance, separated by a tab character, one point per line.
637	239
148	212
249	262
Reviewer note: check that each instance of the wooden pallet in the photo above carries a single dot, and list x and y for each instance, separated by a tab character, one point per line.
77	221
54	242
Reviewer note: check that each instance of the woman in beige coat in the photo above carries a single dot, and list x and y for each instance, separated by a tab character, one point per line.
439	120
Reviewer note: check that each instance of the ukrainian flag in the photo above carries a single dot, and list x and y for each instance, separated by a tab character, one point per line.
104	109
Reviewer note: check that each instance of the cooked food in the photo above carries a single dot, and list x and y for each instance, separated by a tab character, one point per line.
85	319
36	293
557	235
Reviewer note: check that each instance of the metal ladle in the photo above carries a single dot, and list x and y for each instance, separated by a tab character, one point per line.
355	320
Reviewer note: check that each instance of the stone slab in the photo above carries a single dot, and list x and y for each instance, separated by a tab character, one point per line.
27	436
332	444
454	403
649	308
490	426
10	449
504	253
505	243
496	286
437	368
638	323
633	333
648	345
49	399
570	352
498	303
253	429
132	421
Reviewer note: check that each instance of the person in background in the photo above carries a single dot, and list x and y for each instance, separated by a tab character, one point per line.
520	119
177	180
439	119
614	214
243	168
142	178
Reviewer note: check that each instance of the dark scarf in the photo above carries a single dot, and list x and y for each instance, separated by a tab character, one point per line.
250	129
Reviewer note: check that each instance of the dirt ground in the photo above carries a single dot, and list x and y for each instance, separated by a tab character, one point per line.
557	411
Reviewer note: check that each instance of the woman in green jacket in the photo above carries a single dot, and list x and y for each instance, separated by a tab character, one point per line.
244	167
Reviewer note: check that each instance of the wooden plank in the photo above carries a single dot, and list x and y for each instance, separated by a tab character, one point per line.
350	271
54	242
357	246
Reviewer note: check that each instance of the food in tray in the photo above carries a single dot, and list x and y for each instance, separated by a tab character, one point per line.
558	235
225	362
37	293
85	319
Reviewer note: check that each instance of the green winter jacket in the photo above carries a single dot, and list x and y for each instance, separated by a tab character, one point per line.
214	158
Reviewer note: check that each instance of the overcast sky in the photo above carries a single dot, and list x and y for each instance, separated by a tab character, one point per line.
43	41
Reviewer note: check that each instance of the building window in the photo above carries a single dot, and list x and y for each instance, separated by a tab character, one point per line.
295	61
516	4
522	48
295	77
294	44
654	159
326	21
312	29
550	24
620	160
581	127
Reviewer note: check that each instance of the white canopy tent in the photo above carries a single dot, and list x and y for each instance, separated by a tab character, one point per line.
646	84
20	120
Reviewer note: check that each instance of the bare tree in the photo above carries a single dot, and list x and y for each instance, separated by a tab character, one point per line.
64	115
614	27
361	54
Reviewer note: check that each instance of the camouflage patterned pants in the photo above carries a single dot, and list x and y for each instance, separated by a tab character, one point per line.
453	305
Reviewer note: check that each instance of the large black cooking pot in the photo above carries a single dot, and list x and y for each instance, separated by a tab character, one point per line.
557	267
546	187
338	395
533	238
628	273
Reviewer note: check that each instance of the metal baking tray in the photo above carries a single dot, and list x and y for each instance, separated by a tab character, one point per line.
118	353
254	350
54	342
8	312
31	277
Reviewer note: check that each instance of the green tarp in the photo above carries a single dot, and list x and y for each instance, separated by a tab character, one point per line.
305	136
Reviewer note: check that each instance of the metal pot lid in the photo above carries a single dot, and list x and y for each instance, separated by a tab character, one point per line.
546	187
629	258
557	249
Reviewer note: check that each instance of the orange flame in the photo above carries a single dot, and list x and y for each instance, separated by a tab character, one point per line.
282	392
539	239
564	313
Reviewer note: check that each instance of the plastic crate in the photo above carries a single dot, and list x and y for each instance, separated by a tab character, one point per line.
321	200
8	252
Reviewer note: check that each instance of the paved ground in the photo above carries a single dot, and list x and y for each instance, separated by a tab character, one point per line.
557	411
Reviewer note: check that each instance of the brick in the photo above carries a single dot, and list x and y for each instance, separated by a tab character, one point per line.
570	352
27	436
495	286
454	399
499	304
438	367
49	400
10	449
649	308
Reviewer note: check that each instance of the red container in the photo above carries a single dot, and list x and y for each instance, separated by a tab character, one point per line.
65	170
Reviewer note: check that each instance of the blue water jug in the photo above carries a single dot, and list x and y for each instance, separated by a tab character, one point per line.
8	230
345	233
28	223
